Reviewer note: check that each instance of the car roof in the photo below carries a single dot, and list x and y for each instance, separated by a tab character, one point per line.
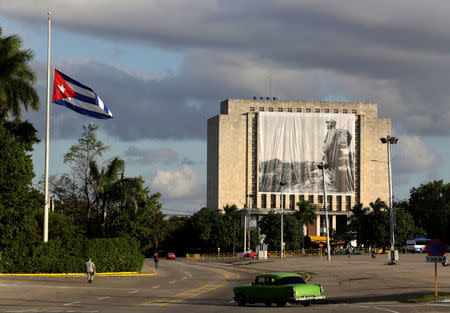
279	275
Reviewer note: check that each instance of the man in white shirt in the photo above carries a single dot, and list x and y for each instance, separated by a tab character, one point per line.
90	270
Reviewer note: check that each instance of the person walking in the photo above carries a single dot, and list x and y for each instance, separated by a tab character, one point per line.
156	259
90	270
349	251
372	253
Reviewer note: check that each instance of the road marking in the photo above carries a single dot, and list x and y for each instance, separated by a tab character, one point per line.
179	294
172	282
226	274
155	287
191	296
134	291
101	298
375	307
32	310
66	304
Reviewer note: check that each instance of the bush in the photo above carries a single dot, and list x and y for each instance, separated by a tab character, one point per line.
109	255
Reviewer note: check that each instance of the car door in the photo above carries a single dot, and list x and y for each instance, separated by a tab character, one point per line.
257	290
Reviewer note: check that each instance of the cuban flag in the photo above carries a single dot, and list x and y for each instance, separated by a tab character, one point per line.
78	97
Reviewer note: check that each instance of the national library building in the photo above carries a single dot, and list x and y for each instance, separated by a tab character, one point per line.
264	154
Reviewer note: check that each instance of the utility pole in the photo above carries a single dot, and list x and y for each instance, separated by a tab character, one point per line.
324	166
282	184
390	141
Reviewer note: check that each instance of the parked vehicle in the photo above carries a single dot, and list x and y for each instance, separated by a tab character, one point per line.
170	256
417	245
278	288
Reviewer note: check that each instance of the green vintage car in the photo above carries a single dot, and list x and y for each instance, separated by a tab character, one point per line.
278	288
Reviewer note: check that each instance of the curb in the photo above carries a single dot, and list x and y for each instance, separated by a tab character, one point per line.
107	274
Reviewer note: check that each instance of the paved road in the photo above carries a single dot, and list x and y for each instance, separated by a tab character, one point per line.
358	284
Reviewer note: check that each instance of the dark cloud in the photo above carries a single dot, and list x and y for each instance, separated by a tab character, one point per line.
396	54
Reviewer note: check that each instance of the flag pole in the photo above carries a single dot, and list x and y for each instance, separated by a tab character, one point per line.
47	138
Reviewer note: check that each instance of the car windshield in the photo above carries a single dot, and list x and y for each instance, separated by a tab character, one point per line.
291	280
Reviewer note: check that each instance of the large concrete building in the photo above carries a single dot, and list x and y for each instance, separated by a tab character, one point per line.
255	144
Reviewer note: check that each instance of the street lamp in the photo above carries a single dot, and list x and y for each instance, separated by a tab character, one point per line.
250	196
390	141
323	167
282	184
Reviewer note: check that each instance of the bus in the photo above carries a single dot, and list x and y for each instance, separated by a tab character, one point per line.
417	245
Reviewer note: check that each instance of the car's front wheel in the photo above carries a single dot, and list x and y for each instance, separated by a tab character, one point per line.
240	299
306	303
281	303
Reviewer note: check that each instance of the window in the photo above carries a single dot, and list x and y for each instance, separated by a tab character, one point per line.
311	198
299	110
327	110
336	111
308	110
339	203
292	202
344	111
302	198
261	109
348	202
259	280
270	109
317	110
329	202
264	201
280	109
353	111
252	109
291	280
289	109
320	199
273	200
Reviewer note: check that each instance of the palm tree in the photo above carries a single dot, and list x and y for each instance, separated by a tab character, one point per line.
16	78
306	215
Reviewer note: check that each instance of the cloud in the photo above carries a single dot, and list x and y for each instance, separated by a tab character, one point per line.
150	156
182	182
313	50
413	155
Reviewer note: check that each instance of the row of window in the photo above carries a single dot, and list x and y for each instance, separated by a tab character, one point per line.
310	198
299	110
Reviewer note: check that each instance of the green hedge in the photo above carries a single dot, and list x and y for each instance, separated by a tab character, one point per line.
108	254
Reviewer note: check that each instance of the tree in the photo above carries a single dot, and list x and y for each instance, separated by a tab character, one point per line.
429	205
371	226
306	216
80	157
270	225
232	218
208	230
16	78
19	202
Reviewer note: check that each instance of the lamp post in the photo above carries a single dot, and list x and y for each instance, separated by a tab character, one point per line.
250	196
282	184
324	166
390	141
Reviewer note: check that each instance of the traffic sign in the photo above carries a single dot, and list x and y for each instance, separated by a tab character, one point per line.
436	259
435	247
321	245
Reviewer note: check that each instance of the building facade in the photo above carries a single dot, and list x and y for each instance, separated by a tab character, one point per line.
253	145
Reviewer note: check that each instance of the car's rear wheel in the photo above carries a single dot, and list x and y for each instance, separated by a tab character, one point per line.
281	303
268	303
240	299
306	303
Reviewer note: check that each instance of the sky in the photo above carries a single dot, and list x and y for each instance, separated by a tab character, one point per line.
163	67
